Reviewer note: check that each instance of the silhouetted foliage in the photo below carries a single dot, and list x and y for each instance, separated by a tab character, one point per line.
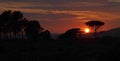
21	25
71	34
33	29
13	24
95	24
104	49
16	17
5	22
9	22
46	35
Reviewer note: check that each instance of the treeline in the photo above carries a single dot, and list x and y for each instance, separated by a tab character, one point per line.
14	25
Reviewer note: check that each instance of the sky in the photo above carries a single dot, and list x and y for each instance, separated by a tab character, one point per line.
61	15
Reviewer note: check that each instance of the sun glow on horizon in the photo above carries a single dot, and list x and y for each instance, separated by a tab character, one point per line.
86	30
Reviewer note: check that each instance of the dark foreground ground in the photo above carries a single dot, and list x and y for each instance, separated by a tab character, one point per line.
84	50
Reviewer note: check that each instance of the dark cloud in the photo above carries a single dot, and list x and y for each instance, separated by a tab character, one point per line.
95	5
52	17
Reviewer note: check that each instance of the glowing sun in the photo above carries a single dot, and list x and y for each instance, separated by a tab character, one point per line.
87	30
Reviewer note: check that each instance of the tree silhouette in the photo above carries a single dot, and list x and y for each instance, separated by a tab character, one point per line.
16	17
46	35
5	22
14	23
95	24
32	29
71	34
22	25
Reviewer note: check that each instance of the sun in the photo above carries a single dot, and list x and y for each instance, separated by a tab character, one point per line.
87	30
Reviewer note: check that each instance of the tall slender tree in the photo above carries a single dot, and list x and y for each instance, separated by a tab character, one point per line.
16	17
4	24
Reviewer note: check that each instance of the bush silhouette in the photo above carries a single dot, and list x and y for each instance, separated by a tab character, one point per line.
71	34
46	35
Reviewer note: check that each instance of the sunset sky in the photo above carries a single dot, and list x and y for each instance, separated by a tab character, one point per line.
61	15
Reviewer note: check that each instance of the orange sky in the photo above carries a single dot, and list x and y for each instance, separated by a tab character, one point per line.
60	15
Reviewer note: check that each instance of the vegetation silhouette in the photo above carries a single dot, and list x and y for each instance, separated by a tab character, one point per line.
64	47
5	23
10	23
32	29
71	34
46	35
95	25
